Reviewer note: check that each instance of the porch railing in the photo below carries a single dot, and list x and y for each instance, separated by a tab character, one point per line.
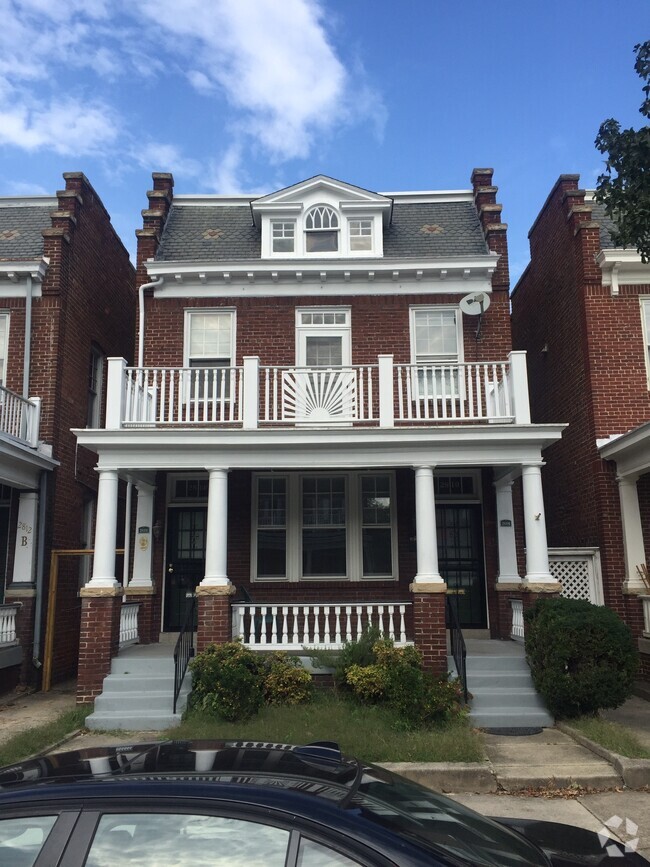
382	394
457	642
129	624
646	616
184	649
517	627
19	418
325	626
8	623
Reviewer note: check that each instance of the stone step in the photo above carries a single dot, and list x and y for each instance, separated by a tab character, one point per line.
511	718
126	721
133	701
143	666
515	700
498	679
120	683
495	663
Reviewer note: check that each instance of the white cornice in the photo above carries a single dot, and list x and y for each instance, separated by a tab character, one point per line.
630	451
404	197
414	197
622	267
184	449
29	202
13	276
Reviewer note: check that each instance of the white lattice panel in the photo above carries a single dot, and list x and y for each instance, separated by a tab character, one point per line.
578	574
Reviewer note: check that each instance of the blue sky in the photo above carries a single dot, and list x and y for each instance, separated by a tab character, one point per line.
252	95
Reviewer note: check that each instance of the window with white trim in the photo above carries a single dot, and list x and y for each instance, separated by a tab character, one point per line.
322	526
283	236
4	338
209	347
436	347
321	230
360	235
645	316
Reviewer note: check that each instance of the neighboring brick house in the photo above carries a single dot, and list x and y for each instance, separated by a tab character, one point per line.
581	310
314	423
67	303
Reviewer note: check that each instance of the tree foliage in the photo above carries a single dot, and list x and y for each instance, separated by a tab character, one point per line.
624	188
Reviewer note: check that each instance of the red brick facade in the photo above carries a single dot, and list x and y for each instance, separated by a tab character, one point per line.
99	636
586	367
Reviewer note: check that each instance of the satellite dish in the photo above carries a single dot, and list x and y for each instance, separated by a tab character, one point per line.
475	304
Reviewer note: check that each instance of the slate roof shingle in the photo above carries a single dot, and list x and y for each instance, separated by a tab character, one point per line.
184	236
606	225
23	225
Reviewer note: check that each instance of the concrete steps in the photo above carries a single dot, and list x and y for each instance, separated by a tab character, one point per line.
502	692
138	694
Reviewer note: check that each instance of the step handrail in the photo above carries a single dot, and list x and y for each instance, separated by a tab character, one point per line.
458	648
184	649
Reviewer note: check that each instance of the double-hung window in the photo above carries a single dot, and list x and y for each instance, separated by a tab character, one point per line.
209	348
645	316
324	531
360	235
436	349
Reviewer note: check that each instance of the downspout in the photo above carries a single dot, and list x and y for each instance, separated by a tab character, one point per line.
152	285
27	357
40	560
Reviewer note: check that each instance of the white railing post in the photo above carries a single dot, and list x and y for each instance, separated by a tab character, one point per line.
519	387
646	616
386	403
33	421
115	393
251	392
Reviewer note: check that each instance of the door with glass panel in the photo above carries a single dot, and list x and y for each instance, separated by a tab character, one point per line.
322	388
185	563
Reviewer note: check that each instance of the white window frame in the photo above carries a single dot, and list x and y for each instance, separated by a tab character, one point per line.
354	527
442	359
333	211
5	319
190	313
284	224
351	222
343	330
644	301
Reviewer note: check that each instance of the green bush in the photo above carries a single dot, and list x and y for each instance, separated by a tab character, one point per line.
582	656
285	680
227	681
367	682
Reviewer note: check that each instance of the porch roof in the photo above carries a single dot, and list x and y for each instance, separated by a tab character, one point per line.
630	451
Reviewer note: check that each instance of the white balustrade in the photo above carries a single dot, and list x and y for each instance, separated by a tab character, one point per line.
129	623
318	395
8	623
517	628
18	417
324	626
453	392
182	395
646	616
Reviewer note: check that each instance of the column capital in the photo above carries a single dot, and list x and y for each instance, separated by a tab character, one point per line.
628	479
427	468
217	469
533	465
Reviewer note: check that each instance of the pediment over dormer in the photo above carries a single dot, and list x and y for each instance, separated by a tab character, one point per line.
323	216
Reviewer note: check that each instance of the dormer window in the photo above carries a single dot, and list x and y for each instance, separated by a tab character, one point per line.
283	234
321	230
360	235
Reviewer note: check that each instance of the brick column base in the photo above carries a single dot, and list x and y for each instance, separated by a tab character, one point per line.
214	622
528	593
99	639
430	629
148	633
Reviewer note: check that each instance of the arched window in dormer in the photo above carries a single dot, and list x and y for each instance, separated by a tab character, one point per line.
321	230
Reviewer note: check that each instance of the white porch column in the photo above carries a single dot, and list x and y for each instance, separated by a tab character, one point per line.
216	545
143	548
425	528
26	527
633	547
105	531
508	569
537	568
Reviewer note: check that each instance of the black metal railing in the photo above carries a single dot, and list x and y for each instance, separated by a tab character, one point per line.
458	649
184	649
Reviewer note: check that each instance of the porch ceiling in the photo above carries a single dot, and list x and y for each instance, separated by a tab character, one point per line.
341	448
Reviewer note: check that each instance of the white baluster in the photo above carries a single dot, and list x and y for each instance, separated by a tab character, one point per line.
390	610
337	624
285	625
380	618
251	624
305	612
263	634
326	633
316	624
274	624
359	624
348	623
402	624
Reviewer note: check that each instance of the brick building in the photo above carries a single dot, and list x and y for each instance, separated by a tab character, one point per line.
318	432
67	303
581	310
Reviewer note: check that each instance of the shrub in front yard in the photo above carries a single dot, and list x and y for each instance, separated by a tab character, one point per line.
233	682
582	656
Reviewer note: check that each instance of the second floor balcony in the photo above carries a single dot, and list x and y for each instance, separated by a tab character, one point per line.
19	418
254	395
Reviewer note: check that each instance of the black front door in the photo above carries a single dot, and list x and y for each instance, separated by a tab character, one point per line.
460	556
185	562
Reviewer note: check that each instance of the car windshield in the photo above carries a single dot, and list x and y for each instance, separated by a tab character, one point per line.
440	823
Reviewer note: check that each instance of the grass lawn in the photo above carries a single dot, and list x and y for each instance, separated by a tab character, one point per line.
370	733
612	736
37	739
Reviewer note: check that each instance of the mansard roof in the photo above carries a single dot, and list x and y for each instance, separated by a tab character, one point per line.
21	226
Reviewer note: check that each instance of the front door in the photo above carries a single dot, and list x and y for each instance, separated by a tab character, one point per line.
460	559
185	562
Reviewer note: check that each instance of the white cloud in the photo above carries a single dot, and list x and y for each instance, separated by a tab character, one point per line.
66	127
161	157
26	188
